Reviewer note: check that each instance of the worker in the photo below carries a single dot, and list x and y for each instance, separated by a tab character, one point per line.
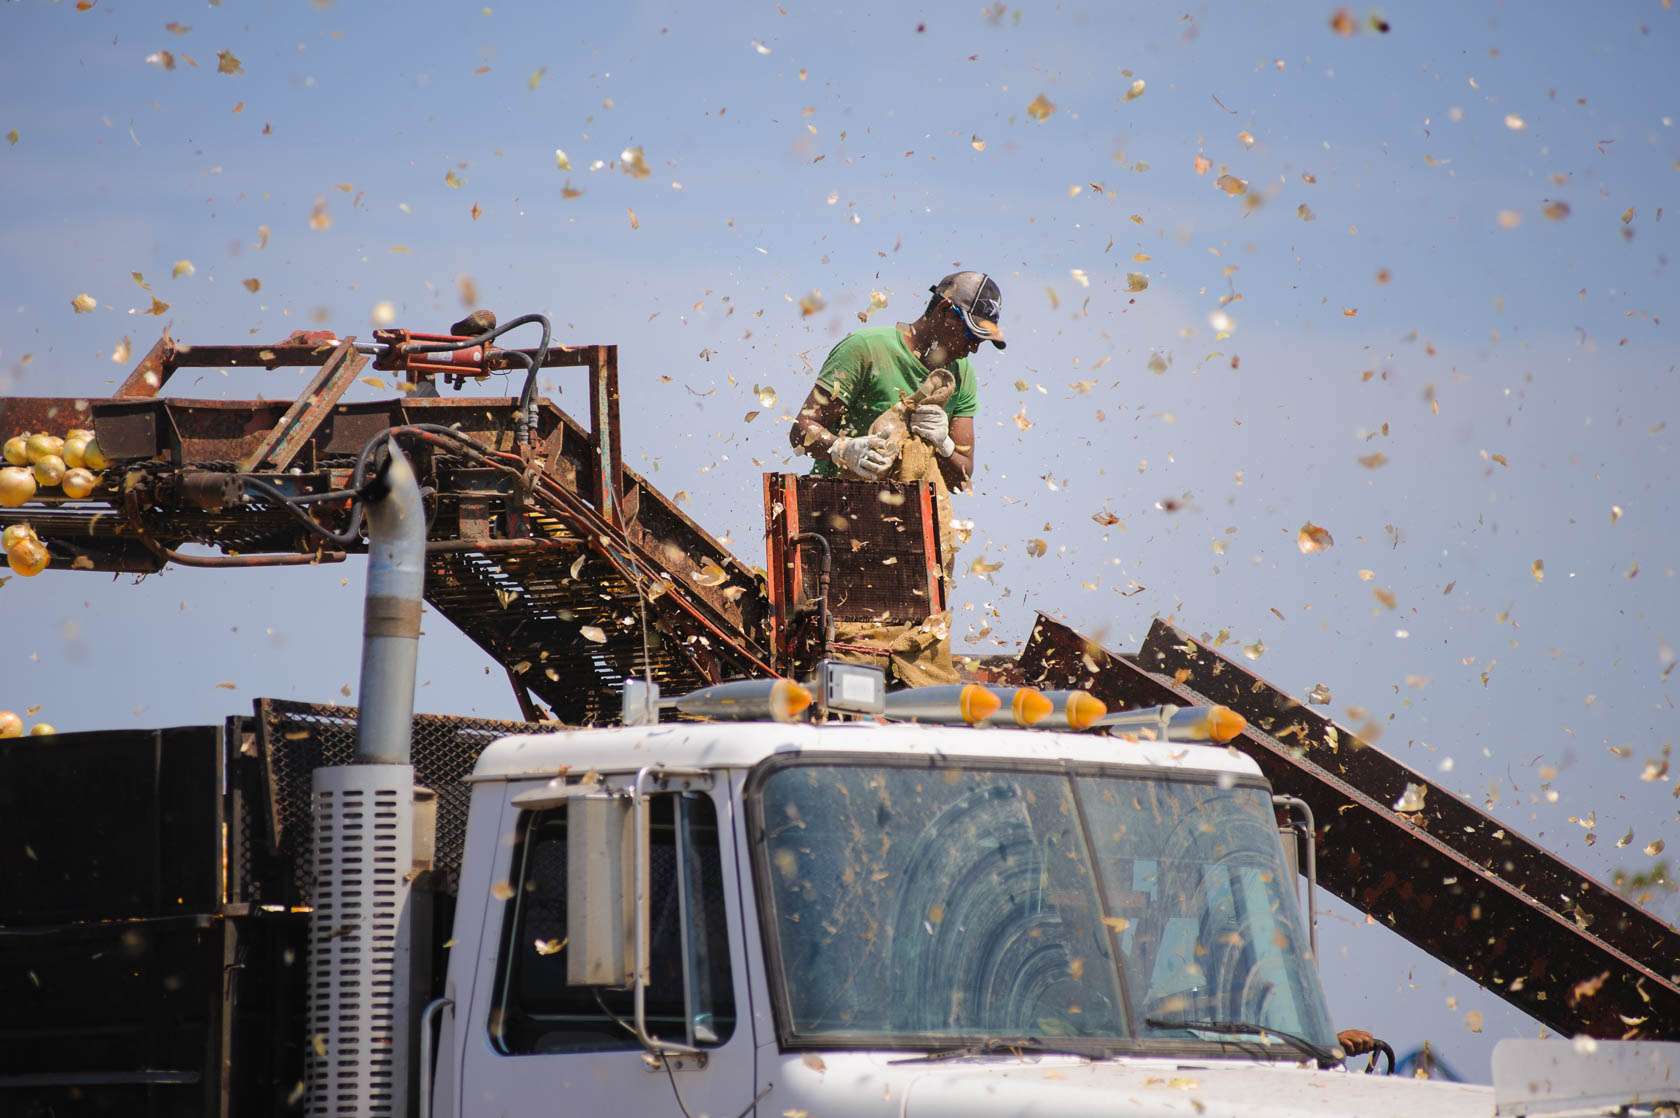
922	370
865	374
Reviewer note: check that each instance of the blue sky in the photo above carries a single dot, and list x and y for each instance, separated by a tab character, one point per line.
1520	381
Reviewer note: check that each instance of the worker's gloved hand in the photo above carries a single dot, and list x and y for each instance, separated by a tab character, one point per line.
931	423
865	455
1356	1042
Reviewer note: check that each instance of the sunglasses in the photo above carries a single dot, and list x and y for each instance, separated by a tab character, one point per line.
968	331
983	307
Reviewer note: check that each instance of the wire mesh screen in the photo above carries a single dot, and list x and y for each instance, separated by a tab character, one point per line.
295	738
881	541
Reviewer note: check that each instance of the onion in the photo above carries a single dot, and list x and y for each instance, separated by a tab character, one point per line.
29	558
14	533
79	433
40	445
94	458
17	450
11	726
49	469
74	446
41	729
17	485
78	483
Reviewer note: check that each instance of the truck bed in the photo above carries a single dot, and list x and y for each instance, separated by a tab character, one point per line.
154	926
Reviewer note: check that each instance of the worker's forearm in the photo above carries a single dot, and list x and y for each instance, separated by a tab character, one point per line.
957	468
811	437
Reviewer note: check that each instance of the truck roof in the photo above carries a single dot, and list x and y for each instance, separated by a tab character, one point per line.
744	744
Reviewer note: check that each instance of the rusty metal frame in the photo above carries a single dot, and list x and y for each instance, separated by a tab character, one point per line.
782	560
560	490
305	347
522	695
1450	879
298	425
604	432
932	548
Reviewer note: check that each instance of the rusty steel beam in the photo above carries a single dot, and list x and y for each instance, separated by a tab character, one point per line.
1449	879
312	347
154	369
52	414
189	431
300	422
1475	834
504	546
604	434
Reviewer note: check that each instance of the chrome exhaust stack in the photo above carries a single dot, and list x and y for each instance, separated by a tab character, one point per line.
362	928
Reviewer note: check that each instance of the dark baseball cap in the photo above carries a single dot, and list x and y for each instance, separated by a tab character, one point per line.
978	300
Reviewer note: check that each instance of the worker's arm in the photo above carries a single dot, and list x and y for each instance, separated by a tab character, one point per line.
959	467
1356	1042
814	426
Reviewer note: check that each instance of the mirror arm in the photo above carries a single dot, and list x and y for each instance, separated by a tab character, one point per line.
644	904
1310	832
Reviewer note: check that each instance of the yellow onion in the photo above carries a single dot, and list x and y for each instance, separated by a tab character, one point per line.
79	433
49	469
11	726
74	446
40	444
17	450
29	558
14	533
41	729
94	458
78	483
17	485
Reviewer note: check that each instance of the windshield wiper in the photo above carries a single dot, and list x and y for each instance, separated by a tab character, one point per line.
998	1046
1325	1057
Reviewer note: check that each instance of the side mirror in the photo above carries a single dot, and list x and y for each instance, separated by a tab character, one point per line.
600	891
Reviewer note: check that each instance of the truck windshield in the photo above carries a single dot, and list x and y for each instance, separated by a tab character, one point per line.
917	905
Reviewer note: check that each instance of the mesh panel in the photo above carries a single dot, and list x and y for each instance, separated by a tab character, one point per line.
296	738
880	549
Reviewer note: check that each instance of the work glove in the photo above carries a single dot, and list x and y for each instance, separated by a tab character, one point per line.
931	423
865	455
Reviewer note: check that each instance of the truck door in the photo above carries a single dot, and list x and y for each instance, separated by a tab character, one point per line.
536	1046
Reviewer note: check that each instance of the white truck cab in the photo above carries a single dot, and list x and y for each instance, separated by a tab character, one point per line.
857	919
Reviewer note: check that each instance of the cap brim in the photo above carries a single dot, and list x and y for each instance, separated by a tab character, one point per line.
985	328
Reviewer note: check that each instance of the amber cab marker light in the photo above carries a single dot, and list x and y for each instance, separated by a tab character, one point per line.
1030	706
1224	724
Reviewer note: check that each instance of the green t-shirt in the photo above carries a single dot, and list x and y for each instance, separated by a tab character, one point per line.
867	371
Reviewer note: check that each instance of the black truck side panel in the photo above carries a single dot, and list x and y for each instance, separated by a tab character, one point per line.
111	825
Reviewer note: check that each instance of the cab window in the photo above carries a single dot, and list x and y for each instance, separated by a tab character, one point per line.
690	997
